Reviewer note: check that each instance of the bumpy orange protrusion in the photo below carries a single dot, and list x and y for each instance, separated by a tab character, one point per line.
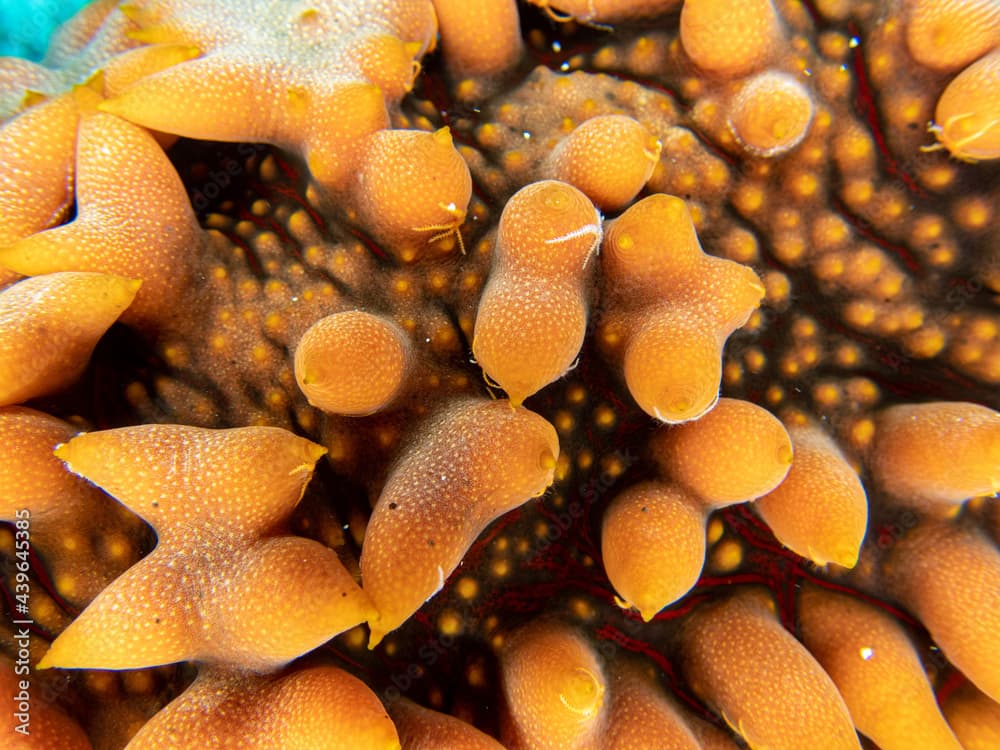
937	454
947	35
533	313
609	157
480	43
411	191
876	668
641	716
37	166
730	652
967	117
353	112
469	464
133	219
653	545
672	307
222	586
735	453
423	729
245	480
290	76
771	114
729	38
820	510
30	475
352	363
321	708
554	686
388	62
973	717
946	574
49	326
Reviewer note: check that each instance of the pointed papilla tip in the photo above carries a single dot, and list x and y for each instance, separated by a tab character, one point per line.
443	136
315	452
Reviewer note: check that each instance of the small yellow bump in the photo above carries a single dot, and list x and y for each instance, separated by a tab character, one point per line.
860	313
449	623
66	585
467	587
862	432
862	391
613	466
804	327
475	675
732	373
826	394
500	568
748	198
938	176
789	248
116	547
925	343
847	355
777	287
563	421
804	185
604	416
726	556
576	394
858	192
175	355
273	322
138	682
716	529
755	360
513	160
582	609
774	394
789	367
973	212
71	542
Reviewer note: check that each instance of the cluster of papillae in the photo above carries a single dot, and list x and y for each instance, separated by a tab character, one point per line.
378	361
